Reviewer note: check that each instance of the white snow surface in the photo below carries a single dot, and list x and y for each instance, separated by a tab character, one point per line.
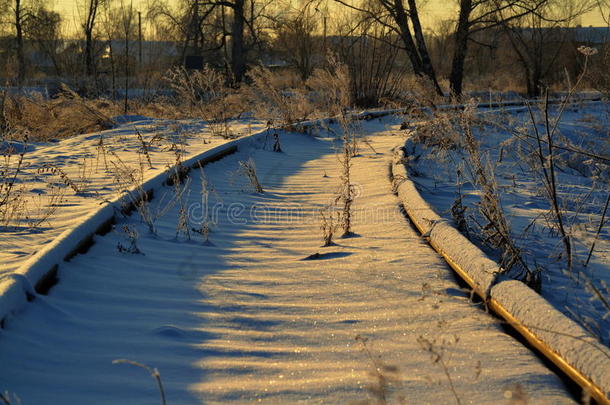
480	267
28	253
245	318
562	335
83	162
583	189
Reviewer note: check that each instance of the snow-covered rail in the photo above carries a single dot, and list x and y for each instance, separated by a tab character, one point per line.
561	340
38	274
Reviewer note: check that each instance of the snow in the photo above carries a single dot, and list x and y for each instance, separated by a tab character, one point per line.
15	148
90	169
430	187
245	319
582	192
481	269
563	335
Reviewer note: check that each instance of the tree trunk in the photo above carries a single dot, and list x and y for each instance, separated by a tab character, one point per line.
89	53
126	100
112	68
89	42
55	60
238	57
19	40
427	67
416	52
534	83
461	46
400	17
531	88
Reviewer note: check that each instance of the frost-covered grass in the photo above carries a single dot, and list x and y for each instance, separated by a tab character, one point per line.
552	200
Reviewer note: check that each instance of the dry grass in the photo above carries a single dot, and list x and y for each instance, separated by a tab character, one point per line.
452	131
18	207
247	168
61	175
345	197
181	190
329	223
598	74
496	231
383	376
6	398
333	88
204	94
131	236
12	193
279	105
154	373
130	181
207	220
437	351
64	116
197	94
544	153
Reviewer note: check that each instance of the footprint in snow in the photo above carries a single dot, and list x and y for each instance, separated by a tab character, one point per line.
325	256
175	333
170	331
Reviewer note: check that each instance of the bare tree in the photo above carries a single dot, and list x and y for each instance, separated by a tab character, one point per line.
127	21
405	22
199	11
238	52
440	45
368	49
175	22
16	13
210	26
91	12
296	37
109	24
479	15
20	17
4	63
538	39
44	28
599	71
196	32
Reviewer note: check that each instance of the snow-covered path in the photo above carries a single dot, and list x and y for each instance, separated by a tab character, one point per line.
248	320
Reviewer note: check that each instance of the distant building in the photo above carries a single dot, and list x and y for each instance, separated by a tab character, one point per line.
592	36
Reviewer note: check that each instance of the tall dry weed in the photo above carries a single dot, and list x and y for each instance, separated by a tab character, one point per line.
68	114
279	105
205	94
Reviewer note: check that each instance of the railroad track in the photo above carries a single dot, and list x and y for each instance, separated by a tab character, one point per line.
247	315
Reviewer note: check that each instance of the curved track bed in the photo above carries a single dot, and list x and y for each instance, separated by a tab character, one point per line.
245	318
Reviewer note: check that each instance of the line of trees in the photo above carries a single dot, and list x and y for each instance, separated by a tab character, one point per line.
516	17
233	34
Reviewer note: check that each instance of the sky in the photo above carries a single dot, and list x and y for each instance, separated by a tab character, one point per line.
433	11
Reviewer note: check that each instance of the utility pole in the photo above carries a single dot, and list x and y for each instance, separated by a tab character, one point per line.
140	36
191	52
224	42
324	28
